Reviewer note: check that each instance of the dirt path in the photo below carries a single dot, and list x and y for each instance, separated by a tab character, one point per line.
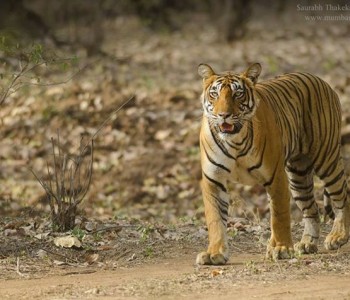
175	279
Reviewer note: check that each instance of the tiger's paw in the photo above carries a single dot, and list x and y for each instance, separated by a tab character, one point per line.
205	258
307	245
335	240
339	234
279	252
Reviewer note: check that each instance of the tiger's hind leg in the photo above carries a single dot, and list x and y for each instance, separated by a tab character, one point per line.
336	189
300	174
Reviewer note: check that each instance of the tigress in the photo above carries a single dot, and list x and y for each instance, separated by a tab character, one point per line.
277	133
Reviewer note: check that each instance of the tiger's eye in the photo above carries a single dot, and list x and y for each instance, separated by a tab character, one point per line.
238	94
214	94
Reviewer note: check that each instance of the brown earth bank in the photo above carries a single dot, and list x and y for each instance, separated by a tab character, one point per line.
161	266
179	279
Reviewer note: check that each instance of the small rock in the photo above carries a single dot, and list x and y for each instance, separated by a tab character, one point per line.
293	261
162	134
67	242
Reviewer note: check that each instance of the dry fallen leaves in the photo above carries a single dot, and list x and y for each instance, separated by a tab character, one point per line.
91	258
216	272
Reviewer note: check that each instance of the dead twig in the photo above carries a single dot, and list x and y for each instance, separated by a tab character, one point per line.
26	67
18	268
115	227
60	255
69	177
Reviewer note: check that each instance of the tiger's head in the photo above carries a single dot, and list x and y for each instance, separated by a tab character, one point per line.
228	98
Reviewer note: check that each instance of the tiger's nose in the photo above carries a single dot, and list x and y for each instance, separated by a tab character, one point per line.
224	115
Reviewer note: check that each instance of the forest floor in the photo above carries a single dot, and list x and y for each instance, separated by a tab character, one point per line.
142	223
124	260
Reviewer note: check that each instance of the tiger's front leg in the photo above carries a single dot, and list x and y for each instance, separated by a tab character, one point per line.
280	245
215	199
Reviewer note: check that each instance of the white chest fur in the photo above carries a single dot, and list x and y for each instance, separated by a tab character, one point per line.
240	174
220	161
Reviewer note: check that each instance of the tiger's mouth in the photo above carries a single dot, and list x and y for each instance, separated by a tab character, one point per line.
230	128
226	127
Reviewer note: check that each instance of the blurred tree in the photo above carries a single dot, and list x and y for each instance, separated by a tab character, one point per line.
162	14
232	16
40	20
84	19
17	18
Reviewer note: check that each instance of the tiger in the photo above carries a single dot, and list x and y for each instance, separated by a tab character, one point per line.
278	133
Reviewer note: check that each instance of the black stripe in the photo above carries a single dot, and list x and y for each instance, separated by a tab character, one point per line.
234	145
308	207
301	78
223	219
330	129
218	184
298	75
329	211
214	162
341	207
320	160
319	106
312	217
223	212
268	183
304	198
335	179
222	202
218	143
295	182
286	96
223	208
308	188
248	145
299	172
330	169
336	193
259	164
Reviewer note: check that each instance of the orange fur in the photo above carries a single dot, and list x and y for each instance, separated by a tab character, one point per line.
276	133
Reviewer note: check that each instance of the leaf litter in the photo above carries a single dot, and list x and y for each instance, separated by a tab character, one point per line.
145	203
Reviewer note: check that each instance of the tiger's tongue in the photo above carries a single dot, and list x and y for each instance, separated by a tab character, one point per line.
225	127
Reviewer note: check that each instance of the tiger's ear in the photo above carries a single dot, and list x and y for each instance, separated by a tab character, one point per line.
253	72
205	71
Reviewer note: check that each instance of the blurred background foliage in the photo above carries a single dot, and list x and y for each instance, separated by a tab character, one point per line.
43	19
147	160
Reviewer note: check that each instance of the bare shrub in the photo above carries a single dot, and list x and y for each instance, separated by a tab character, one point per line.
69	177
28	65
68	181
